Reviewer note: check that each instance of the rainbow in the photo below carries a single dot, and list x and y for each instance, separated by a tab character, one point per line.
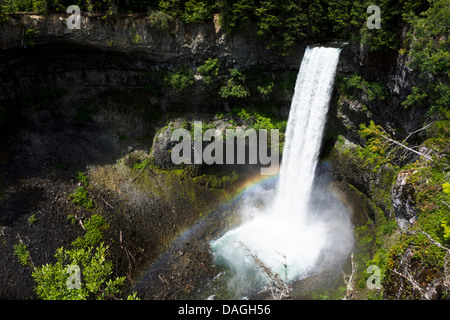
246	186
251	183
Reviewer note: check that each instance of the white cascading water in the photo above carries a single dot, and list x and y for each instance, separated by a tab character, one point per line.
286	226
305	128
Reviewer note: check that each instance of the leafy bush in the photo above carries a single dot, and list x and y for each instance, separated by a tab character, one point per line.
140	165
180	79
32	219
446	188
90	257
51	279
40	6
372	134
80	196
374	90
81	177
266	90
159	20
22	253
280	23
196	11
244	115
416	97
94	227
234	87
209	69
30	36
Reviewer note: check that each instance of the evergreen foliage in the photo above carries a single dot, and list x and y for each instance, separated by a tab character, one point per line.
279	23
430	56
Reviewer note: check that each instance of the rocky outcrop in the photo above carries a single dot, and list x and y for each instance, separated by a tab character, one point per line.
388	69
403	199
170	42
123	53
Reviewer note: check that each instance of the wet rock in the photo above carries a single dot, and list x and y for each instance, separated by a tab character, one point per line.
162	147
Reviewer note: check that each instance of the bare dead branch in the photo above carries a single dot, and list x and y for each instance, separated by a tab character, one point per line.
279	288
407	148
350	280
163	280
433	241
81	223
445	203
418	130
109	205
414	283
446	280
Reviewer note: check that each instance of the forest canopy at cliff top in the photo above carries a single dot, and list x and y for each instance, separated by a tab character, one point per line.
280	23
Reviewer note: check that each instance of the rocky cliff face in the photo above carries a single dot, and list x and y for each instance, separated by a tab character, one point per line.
403	195
167	42
114	52
388	69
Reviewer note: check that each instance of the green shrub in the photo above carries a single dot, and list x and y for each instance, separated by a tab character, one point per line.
71	219
446	188
266	90
180	79
81	177
196	11
209	69
374	90
232	90
137	38
30	36
140	165
32	219
80	197
430	57
40	6
234	86
159	20
90	257
22	253
97	282
244	115
94	227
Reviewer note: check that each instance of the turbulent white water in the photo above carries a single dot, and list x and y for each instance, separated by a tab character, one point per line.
288	224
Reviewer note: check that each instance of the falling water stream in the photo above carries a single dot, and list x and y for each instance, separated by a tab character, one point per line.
288	224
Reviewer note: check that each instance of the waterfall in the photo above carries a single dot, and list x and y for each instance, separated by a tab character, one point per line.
304	129
288	225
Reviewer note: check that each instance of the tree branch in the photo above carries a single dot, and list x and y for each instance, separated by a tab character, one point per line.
418	130
351	279
433	241
413	282
407	148
278	287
